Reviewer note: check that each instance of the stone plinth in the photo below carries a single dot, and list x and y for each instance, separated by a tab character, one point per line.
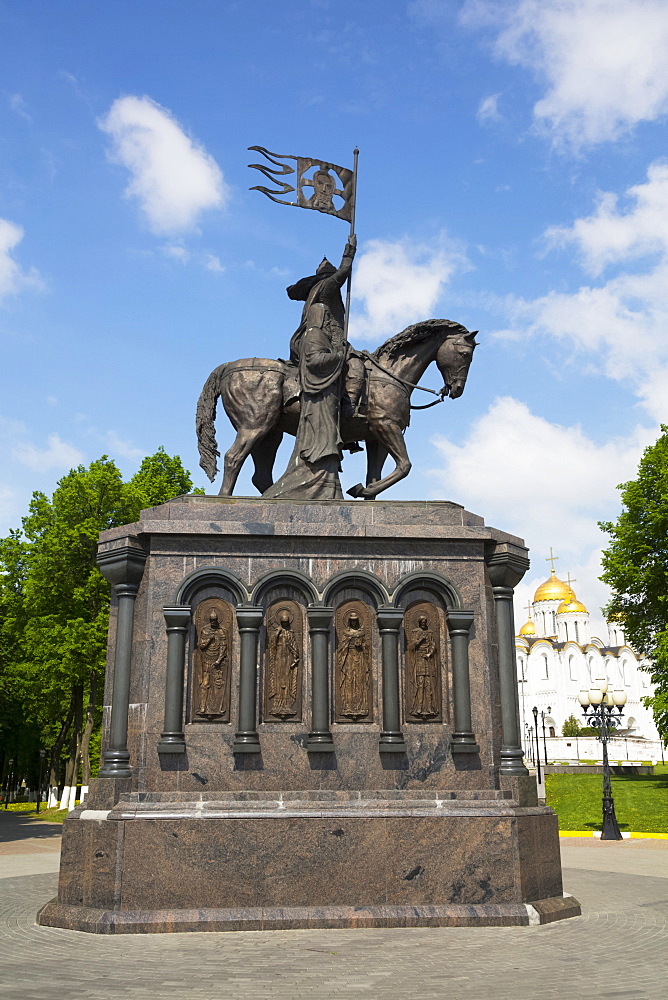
383	787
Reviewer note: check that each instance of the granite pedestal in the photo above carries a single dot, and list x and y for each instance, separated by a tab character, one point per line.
381	784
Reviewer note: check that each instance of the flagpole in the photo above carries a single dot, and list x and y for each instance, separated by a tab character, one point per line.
356	154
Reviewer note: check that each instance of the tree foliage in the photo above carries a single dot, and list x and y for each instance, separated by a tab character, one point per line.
54	608
635	566
571	727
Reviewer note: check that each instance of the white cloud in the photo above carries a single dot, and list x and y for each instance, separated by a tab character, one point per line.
177	253
58	455
213	264
173	177
612	234
621	323
12	277
488	109
548	483
125	449
602	61
400	282
19	107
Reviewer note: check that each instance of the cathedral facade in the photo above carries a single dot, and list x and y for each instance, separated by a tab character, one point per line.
557	657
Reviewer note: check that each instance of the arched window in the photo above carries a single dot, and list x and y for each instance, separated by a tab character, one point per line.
577	632
546	674
552	731
572	668
554	623
522	665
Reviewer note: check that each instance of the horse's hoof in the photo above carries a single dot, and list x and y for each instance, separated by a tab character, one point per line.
356	491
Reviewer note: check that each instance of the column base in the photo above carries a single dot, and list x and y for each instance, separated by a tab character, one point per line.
320	743
172	743
116	764
463	743
246	743
512	761
391	742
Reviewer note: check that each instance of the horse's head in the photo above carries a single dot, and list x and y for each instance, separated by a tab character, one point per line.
453	359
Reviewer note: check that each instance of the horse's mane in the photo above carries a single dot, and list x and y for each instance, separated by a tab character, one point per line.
413	335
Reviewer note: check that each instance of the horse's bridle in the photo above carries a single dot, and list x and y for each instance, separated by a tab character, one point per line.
442	393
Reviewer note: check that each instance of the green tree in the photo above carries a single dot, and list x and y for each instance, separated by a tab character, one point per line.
54	607
571	727
635	566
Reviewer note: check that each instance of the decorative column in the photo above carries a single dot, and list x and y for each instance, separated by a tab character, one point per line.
463	739
391	737
123	567
507	565
319	624
246	739
177	621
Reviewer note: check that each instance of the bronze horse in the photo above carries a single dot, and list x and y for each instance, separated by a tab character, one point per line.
261	398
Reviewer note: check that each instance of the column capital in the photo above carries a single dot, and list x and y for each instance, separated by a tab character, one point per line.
249	618
177	617
319	617
459	620
390	619
506	564
123	565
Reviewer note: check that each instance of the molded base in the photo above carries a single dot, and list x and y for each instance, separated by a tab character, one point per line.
81	918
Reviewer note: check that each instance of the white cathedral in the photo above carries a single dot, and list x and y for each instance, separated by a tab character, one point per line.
557	657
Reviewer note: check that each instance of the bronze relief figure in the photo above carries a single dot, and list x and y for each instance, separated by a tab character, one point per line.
353	689
423	664
284	663
212	660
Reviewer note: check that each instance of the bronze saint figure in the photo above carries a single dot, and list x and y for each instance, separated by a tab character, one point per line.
212	660
283	664
423	664
353	664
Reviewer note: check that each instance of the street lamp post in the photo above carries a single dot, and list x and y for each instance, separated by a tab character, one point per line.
602	703
535	729
42	755
10	766
542	718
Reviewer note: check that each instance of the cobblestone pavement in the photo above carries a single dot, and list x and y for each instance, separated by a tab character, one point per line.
618	949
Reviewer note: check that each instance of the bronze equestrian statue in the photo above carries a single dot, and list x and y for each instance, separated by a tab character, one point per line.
328	395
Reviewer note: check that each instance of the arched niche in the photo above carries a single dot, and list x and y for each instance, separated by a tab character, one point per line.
358	579
355	597
290	581
428	583
284	657
211	588
216	581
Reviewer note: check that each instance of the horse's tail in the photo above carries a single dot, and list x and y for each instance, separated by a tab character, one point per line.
205	422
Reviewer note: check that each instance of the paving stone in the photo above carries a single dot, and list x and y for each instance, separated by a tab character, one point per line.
621	941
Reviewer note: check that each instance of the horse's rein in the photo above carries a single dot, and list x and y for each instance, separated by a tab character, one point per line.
411	385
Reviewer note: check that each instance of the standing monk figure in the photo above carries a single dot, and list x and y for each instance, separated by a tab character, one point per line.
353	663
424	661
283	668
319	349
212	647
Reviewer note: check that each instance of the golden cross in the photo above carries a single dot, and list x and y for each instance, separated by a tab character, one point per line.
552	559
569	582
528	608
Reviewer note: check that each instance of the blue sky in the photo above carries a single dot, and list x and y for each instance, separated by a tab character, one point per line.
511	178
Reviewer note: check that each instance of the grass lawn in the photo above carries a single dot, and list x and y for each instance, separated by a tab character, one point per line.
51	815
641	800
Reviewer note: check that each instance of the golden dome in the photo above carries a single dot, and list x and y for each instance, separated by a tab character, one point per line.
528	628
553	589
570	605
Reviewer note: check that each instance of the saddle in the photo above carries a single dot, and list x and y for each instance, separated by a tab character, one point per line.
351	391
